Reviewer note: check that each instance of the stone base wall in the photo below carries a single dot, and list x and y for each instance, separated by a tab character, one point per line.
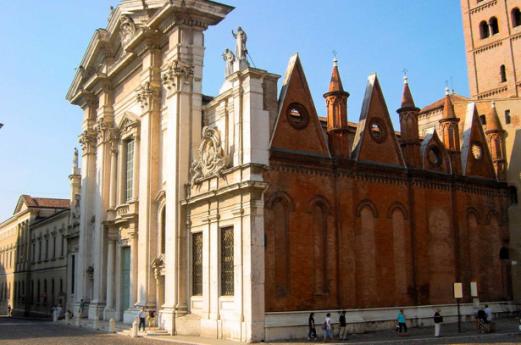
293	325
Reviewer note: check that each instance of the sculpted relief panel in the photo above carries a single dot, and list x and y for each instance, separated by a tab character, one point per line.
212	159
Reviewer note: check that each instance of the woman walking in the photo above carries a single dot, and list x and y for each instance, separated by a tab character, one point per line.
312	332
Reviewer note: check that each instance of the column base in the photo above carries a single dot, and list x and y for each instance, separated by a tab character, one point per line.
181	310
130	314
109	313
166	319
96	311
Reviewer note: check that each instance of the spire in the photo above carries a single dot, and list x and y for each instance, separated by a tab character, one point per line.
492	119
448	108
335	84
407	100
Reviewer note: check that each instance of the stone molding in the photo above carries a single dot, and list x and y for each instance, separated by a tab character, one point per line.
212	159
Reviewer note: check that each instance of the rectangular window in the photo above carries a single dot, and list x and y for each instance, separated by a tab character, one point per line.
129	181
197	264
62	245
227	261
508	119
54	247
46	248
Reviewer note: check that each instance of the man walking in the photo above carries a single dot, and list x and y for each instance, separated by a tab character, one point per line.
438	319
328	328
142	319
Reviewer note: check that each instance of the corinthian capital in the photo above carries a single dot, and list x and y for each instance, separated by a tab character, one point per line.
147	94
177	73
87	141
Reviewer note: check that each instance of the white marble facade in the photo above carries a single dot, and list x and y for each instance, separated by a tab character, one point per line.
166	172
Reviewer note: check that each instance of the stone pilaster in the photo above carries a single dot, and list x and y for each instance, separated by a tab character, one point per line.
148	95
87	140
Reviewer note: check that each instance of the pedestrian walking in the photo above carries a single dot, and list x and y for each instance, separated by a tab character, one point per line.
312	331
142	319
402	322
438	319
9	310
327	327
342	329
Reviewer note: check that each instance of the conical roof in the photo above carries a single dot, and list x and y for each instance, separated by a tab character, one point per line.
492	119
407	100
448	108
335	85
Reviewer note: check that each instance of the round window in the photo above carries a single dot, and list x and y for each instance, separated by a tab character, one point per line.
297	116
377	130
434	156
477	151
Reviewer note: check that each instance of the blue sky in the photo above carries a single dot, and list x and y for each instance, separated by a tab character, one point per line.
44	41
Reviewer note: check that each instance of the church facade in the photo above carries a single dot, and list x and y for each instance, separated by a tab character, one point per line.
234	216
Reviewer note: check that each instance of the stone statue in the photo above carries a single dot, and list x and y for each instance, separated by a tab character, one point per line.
75	158
240	45
229	59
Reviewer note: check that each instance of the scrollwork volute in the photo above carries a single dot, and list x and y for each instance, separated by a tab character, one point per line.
212	158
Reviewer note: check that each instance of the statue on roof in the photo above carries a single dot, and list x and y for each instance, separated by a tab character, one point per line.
240	46
229	59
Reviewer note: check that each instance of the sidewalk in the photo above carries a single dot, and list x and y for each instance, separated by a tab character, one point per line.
506	333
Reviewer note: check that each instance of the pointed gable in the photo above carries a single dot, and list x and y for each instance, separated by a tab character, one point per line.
475	156
298	128
375	139
434	155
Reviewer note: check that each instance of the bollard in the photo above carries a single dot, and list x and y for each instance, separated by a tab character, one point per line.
112	326
95	323
67	318
77	321
133	332
54	315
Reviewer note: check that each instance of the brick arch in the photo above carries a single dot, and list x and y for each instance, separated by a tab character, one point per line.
321	201
282	197
475	213
369	204
492	214
397	206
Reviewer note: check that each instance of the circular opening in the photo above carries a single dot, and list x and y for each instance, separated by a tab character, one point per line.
477	151
434	156
377	130
297	115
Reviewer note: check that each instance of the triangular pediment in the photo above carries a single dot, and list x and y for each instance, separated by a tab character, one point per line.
475	155
22	203
375	139
298	128
434	155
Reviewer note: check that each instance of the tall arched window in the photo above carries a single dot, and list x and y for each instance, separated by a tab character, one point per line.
319	213
516	17
280	228
494	26
483	30
503	73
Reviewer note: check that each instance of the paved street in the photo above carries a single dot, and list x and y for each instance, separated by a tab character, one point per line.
37	332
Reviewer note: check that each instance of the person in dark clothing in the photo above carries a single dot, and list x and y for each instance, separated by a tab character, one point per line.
482	321
342	331
312	332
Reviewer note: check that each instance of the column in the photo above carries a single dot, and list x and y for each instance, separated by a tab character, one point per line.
108	313
113	173
88	183
134	269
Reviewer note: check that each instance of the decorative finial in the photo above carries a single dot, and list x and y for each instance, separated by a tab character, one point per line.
75	158
493	104
335	60
405	76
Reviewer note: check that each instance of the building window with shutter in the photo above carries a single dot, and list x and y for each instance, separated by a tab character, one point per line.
227	262
197	264
508	119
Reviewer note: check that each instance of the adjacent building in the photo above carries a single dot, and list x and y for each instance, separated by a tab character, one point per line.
236	215
34	256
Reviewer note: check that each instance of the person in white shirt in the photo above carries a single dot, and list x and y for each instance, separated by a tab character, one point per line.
488	311
328	327
142	319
